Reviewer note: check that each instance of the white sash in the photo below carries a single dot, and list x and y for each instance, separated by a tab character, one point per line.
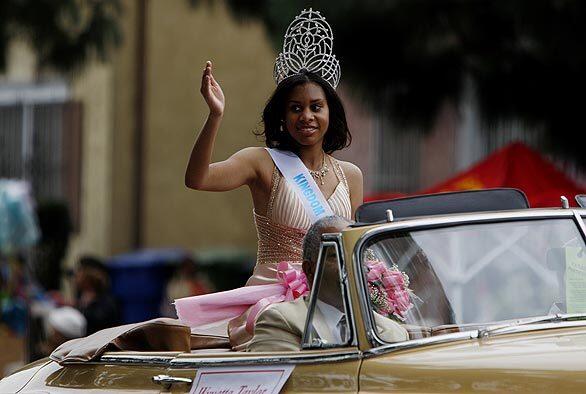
295	172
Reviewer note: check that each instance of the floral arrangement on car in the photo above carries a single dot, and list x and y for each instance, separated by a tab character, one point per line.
388	288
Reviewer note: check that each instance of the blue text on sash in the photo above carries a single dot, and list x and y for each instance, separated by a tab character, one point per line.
309	194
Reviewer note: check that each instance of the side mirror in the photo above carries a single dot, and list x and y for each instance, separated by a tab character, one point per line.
581	200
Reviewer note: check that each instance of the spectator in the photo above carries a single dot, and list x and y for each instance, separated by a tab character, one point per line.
94	299
186	281
61	325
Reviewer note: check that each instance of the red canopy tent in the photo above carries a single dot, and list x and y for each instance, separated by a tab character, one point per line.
516	165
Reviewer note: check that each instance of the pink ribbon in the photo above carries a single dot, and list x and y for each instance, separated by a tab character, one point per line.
208	308
294	285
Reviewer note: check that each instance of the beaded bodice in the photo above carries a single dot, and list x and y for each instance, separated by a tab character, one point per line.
281	231
277	242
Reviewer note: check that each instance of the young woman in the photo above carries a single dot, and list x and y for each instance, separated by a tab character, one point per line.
304	116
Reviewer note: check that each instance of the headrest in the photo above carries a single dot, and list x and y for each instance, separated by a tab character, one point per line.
443	204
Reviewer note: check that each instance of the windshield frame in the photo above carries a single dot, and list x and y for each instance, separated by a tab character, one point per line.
440	222
335	241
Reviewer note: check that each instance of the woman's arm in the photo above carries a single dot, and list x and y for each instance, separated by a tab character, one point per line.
229	174
355	183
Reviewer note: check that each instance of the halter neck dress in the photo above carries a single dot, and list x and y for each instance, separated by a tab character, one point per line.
280	236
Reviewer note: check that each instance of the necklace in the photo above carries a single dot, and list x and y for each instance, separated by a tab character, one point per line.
319	175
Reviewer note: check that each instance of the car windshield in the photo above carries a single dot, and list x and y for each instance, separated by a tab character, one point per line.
477	274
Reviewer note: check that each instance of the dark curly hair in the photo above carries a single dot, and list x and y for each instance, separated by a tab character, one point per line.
337	136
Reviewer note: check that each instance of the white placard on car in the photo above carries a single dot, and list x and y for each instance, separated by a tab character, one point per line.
241	380
575	280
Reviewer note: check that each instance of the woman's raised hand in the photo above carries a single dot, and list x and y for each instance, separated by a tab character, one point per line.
212	92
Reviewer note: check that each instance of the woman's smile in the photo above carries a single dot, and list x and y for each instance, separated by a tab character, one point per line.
307	129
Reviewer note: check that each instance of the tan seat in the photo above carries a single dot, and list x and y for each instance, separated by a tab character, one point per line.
417	332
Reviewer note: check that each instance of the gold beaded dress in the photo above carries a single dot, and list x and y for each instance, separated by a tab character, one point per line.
280	236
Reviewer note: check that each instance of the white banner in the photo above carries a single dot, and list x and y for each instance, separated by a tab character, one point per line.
297	175
262	379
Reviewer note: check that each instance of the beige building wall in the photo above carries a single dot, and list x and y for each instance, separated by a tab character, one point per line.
180	40
124	80
107	92
94	88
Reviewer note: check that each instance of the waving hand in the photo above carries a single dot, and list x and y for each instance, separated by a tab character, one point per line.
212	92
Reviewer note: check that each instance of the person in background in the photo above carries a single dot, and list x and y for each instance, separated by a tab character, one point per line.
61	325
93	297
186	281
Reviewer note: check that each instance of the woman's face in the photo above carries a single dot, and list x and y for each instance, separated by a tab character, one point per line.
307	114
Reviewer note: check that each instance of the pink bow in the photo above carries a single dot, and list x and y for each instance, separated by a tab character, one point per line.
294	285
208	308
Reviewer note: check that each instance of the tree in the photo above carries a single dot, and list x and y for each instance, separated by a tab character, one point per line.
63	33
525	57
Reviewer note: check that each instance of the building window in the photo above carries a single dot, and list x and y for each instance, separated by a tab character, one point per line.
40	141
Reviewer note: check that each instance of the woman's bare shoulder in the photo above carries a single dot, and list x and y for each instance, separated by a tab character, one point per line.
350	169
252	153
255	156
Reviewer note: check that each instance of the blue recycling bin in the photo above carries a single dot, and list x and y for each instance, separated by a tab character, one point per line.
139	279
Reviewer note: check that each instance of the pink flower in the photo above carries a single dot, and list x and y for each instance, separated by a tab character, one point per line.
392	280
388	289
401	302
375	270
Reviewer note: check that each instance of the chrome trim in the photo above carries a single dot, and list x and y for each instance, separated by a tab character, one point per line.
189	361
167	381
472	334
390	216
297	358
343	272
580	222
135	359
440	221
393	347
536	327
329	240
305	344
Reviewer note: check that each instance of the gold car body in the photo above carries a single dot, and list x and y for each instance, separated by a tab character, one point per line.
545	356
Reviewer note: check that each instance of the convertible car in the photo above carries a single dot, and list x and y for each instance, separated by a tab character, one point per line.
498	303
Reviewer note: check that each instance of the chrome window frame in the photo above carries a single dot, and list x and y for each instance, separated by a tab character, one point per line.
377	344
329	240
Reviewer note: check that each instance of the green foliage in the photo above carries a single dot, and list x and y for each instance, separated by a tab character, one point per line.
406	57
63	33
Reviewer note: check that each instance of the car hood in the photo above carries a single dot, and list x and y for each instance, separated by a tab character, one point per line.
18	379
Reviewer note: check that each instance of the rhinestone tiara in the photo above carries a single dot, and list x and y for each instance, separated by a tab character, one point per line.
308	45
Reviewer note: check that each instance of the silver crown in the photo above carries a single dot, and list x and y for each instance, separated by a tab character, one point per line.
308	45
